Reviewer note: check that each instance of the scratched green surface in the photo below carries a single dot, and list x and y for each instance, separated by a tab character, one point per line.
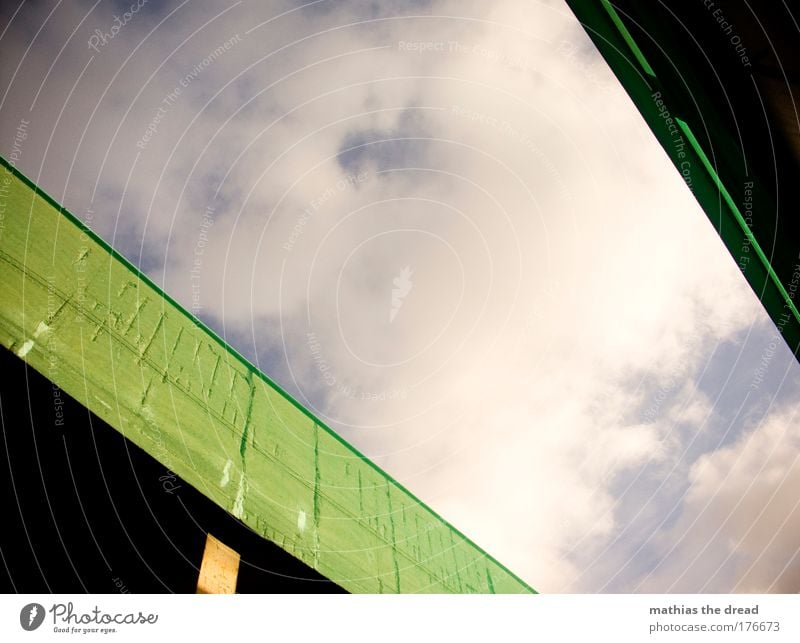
82	316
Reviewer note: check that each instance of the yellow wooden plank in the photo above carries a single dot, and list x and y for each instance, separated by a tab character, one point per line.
219	569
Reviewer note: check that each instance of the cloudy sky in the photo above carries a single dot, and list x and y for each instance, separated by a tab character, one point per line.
443	227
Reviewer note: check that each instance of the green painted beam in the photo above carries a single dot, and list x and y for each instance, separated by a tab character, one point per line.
81	315
672	85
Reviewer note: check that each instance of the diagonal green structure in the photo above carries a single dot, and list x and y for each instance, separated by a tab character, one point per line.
708	105
80	314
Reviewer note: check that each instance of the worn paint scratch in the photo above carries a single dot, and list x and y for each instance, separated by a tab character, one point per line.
96	333
81	256
40	329
25	348
489	582
316	475
58	310
134	315
226	474
124	287
390	514
145	392
360	493
214	374
248	412
144	350
175	344
238	503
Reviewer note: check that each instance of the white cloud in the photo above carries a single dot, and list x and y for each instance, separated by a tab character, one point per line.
740	525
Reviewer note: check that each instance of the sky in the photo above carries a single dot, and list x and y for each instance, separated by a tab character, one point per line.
443	227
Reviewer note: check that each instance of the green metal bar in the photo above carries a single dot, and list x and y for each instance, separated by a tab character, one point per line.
739	218
626	35
83	316
655	99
